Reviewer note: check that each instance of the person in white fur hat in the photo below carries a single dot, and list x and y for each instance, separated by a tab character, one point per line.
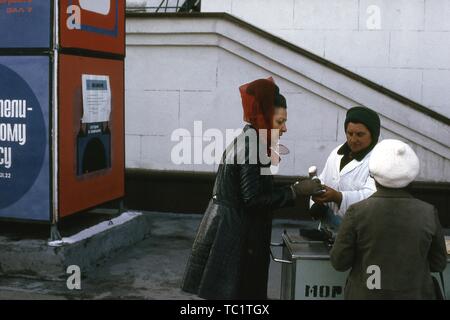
394	164
400	235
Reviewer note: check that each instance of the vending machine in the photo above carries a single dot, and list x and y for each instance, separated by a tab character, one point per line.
61	107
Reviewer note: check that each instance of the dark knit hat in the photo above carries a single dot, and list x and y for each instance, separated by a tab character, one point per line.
367	117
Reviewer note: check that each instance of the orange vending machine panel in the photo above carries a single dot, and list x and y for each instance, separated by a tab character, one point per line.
91	132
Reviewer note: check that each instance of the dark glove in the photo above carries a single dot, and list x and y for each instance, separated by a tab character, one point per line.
318	211
307	187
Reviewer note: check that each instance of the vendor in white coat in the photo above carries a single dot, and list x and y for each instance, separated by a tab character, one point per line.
346	176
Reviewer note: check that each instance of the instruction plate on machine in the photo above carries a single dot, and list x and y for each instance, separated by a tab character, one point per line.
96	98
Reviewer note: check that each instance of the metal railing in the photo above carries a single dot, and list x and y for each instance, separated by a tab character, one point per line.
169	6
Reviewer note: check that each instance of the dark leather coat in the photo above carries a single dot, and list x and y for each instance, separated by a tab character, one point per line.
230	255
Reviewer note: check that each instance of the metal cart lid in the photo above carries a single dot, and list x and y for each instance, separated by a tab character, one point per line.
302	248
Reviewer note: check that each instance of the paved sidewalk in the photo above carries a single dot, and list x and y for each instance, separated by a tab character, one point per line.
151	269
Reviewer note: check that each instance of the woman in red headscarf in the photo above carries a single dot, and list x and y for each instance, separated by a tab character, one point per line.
230	255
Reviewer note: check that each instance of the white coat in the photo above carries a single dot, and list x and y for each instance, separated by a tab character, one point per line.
354	181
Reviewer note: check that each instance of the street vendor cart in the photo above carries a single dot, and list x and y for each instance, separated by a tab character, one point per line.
307	273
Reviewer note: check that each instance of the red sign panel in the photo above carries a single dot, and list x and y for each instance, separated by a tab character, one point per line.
91	132
97	25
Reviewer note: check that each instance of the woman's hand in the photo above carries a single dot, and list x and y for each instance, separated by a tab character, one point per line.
330	195
306	187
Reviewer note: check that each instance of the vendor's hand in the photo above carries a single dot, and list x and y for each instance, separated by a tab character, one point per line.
306	187
330	195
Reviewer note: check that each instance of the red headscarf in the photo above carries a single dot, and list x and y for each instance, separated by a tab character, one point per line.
258	103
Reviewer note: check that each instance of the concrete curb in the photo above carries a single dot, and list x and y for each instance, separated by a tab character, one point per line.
36	259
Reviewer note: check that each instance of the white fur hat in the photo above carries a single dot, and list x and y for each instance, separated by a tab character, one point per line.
393	164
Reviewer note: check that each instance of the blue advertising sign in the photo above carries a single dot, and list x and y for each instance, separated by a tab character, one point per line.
24	137
25	24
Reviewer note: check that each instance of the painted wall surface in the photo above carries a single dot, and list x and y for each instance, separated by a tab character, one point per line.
187	72
403	45
91	166
25	24
24	137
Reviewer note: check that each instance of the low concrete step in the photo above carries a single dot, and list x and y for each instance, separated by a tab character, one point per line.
35	257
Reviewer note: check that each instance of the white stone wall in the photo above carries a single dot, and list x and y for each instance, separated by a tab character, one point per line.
176	89
406	50
179	71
